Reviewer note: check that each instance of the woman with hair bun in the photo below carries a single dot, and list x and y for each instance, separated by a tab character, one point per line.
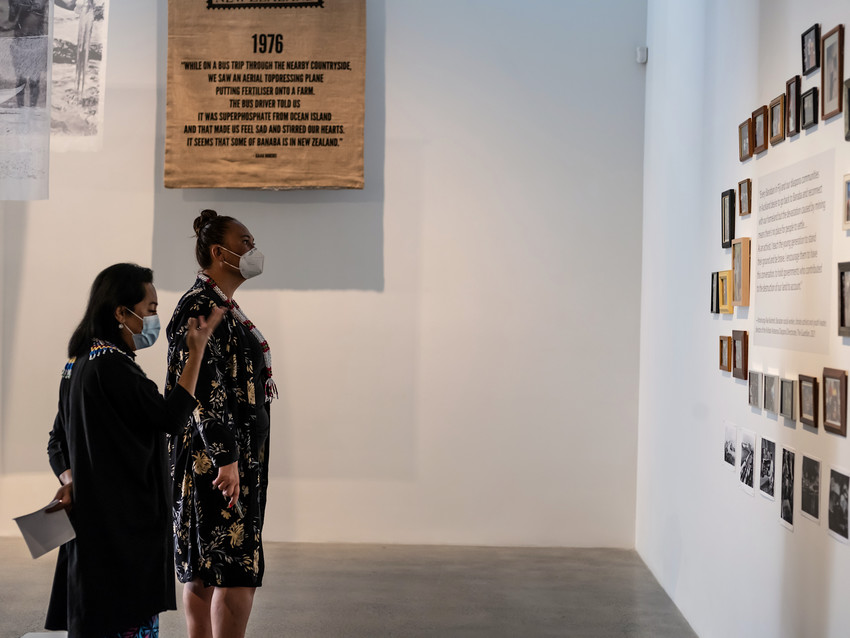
220	459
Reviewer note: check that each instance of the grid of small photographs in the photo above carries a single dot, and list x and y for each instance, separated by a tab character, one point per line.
817	93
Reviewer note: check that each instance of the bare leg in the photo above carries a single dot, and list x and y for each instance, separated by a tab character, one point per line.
231	607
197	601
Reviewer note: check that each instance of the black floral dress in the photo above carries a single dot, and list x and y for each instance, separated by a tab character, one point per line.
212	542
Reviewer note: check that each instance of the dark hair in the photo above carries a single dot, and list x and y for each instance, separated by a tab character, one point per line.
210	228
118	285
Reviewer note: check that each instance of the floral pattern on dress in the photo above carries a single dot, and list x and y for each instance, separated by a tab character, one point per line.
211	541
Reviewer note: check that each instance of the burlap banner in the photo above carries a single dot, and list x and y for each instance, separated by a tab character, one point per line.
265	94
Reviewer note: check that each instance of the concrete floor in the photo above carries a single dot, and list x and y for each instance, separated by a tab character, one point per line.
377	591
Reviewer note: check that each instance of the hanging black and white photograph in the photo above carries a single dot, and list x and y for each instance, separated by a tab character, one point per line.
767	469
79	73
730	445
786	498
754	382
771	393
810	489
24	77
839	484
747	460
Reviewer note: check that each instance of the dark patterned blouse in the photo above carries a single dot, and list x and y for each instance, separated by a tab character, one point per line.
214	543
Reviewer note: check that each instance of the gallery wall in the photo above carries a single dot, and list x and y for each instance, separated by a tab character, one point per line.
456	346
720	552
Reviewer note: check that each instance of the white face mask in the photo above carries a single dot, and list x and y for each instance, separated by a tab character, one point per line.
250	264
150	331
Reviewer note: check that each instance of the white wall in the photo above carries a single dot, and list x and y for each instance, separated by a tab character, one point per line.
721	554
457	345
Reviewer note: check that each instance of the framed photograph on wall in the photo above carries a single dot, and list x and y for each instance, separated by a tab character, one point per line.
715	293
771	393
727	218
847	110
845	211
844	299
777	120
811	48
792	106
760	130
741	271
839	486
809	108
835	401
724	281
745	140
832	72
739	354
745	196
788	398
754	388
726	354
809	397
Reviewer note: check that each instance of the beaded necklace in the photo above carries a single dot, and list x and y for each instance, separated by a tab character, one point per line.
271	388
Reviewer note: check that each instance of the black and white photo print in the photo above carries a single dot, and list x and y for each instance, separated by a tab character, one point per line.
810	489
839	483
747	460
786	499
767	469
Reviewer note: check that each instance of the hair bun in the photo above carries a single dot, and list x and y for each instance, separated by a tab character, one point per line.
206	216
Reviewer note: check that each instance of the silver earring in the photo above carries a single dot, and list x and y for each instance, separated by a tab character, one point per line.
120	326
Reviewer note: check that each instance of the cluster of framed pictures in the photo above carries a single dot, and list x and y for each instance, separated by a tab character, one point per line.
781	396
793	111
733	356
812	400
730	288
770	462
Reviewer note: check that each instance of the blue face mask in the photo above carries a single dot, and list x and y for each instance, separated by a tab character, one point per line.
150	331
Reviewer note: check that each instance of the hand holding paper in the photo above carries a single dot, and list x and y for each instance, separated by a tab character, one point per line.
45	531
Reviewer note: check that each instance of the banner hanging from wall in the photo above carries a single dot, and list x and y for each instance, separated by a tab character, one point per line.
265	94
79	74
24	115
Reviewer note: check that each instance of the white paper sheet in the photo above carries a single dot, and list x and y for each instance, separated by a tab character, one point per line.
44	532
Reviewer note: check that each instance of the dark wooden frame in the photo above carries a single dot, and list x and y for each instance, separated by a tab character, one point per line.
813	32
727	217
749	208
847	110
792	106
725	344
802	380
839	32
843	321
777	104
840	376
739	341
811	94
760	113
748	153
715	293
